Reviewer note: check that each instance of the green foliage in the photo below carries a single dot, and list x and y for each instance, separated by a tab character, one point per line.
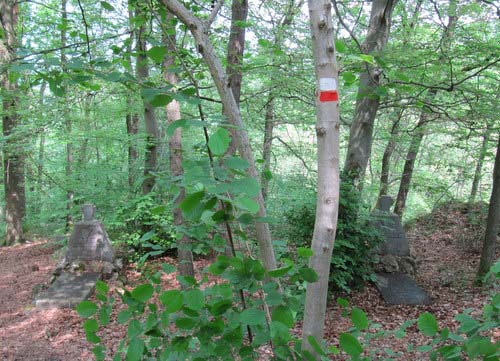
145	226
356	238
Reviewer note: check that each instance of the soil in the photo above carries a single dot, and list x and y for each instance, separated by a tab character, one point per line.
446	270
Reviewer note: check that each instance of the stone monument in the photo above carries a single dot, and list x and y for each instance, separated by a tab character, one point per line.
396	266
89	257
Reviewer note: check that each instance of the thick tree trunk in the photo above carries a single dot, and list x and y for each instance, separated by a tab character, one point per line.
491	234
327	204
184	253
233	115
386	159
13	161
368	100
479	168
152	132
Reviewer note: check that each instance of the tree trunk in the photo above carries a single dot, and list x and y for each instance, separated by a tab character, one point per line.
386	159
131	120
268	142
232	113
479	167
69	127
327	204
368	99
13	171
41	154
184	253
491	234
152	132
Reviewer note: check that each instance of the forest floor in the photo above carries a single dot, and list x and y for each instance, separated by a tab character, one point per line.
444	243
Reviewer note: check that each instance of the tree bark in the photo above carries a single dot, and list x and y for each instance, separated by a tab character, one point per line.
69	127
268	143
184	253
152	132
491	234
479	168
232	112
368	99
131	119
13	171
327	203
386	159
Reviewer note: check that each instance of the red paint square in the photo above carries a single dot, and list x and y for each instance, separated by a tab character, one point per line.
328	96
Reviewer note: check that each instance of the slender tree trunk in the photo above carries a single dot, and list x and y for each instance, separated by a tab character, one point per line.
68	126
131	119
368	100
386	159
13	161
41	154
491	234
327	204
152	132
184	253
405	182
232	113
268	142
479	168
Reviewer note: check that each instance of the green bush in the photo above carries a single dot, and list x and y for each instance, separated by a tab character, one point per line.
144	226
356	238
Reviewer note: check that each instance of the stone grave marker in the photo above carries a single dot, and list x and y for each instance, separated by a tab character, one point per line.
396	265
89	257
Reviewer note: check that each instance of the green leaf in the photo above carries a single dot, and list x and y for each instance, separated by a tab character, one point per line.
143	293
124	316
101	287
359	319
248	186
92	337
86	309
134	329
219	141
135	350
350	344
191	201
340	46
367	58
280	272
427	324
467	324
147	236
172	300
247	204
349	77
308	274
90	325
157	53
253	317
315	345
194	299
107	6
284	315
305	252
236	163
185	323
342	302
168	268
424	348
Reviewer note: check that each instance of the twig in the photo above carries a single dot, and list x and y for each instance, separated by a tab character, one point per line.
86	29
213	14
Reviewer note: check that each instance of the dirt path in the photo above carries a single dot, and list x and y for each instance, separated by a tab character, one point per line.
27	333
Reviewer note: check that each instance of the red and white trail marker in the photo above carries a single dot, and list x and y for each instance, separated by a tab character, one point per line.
328	90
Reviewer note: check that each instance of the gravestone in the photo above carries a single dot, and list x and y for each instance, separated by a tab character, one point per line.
396	266
89	241
88	258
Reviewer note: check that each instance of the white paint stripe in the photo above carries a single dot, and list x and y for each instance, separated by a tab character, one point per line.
326	84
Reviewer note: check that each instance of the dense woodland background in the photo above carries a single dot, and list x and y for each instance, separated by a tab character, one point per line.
95	94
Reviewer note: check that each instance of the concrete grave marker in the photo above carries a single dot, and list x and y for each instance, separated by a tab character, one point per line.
396	266
89	257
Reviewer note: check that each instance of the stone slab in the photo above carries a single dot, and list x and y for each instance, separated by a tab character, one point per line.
400	289
68	290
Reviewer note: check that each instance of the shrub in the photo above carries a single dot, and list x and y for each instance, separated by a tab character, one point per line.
356	238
